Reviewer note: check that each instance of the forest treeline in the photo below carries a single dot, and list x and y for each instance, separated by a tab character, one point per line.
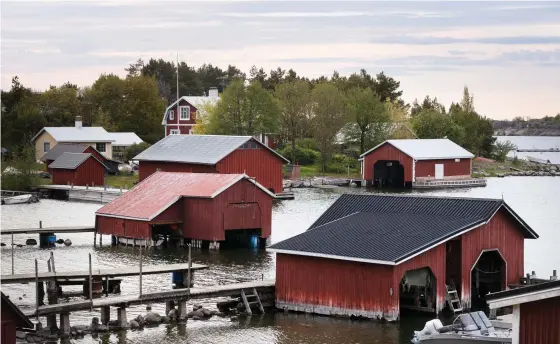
326	121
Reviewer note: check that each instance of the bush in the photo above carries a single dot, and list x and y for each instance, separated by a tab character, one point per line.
304	156
308	143
340	164
134	150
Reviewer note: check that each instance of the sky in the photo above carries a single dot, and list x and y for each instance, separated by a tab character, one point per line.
507	53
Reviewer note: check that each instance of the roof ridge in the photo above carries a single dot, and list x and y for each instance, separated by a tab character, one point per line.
425	196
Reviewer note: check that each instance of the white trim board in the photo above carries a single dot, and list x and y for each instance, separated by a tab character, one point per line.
524	298
329	256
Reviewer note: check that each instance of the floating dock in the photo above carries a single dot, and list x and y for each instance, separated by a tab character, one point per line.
81	193
458	183
40	230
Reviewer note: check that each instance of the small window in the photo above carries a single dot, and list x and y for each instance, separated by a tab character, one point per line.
171	115
457	160
185	112
46	146
174	132
100	146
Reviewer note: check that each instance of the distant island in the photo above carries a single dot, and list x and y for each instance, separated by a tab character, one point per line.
546	126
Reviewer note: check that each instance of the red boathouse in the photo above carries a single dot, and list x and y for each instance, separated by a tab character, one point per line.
12	319
78	169
371	255
536	312
226	208
214	154
401	163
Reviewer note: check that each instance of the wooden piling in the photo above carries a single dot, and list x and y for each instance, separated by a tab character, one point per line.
90	285
37	288
140	275
12	253
189	271
105	314
65	324
121	317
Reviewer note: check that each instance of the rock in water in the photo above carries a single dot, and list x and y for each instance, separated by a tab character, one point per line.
2	244
60	241
172	314
134	324
140	320
67	242
152	318
31	242
198	313
197	306
165	319
207	313
148	307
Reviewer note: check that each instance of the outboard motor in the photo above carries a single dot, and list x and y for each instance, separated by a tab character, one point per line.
431	327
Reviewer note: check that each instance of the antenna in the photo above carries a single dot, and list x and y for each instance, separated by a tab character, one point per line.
177	76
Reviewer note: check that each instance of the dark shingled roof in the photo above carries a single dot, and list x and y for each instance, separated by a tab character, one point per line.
390	229
524	290
61	148
71	161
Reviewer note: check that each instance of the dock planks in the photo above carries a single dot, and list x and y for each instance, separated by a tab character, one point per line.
70	229
110	273
233	289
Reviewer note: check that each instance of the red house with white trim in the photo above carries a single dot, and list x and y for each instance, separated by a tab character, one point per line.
373	255
180	117
401	163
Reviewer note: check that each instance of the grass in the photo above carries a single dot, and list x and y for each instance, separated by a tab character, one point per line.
495	168
125	180
313	171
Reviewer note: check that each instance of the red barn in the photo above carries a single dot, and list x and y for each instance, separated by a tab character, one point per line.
78	169
536	312
180	117
227	208
12	319
214	154
371	255
61	148
401	163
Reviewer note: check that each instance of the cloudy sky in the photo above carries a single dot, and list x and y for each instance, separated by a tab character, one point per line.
508	53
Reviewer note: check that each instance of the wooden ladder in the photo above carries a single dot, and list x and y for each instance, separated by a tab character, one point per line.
255	300
453	299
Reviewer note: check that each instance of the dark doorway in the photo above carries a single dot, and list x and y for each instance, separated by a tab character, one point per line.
418	290
243	238
388	173
167	235
487	276
453	264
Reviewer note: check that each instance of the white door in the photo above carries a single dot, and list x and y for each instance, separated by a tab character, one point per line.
439	171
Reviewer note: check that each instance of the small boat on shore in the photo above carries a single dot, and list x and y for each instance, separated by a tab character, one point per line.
468	328
27	198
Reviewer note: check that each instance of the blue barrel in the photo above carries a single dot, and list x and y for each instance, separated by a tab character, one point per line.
254	241
51	239
177	277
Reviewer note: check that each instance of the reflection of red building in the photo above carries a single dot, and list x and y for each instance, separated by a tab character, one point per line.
201	206
214	154
373	255
12	319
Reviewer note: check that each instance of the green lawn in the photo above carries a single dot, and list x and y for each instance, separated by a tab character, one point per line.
126	181
313	171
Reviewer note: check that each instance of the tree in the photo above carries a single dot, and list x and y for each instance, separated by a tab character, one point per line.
369	116
433	124
10	100
400	126
328	117
387	88
294	101
135	69
501	149
135	149
244	110
60	105
427	104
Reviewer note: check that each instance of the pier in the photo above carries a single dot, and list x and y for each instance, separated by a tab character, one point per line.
48	230
101	194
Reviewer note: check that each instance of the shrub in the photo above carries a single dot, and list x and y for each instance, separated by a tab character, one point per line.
134	150
304	156
340	164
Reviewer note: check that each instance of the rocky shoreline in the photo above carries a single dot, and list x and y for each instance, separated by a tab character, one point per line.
528	170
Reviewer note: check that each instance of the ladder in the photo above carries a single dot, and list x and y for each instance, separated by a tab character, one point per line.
453	299
251	299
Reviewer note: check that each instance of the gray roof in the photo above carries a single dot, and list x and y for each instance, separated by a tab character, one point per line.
71	161
427	149
125	139
77	134
196	149
390	229
61	148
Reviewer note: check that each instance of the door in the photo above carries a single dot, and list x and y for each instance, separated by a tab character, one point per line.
439	171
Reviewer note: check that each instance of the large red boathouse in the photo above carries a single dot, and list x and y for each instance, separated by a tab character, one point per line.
371	255
226	208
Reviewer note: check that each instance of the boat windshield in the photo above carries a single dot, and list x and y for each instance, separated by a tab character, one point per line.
474	322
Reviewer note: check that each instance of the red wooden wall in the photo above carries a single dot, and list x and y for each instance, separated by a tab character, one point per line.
95	153
500	233
539	322
206	219
387	152
90	172
260	164
123	227
186	124
345	285
171	214
425	168
147	168
62	177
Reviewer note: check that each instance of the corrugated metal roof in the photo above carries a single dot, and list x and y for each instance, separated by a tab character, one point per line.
426	149
196	149
69	161
159	191
125	139
77	134
61	148
391	228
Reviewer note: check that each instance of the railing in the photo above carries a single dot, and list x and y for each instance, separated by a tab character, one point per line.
457	182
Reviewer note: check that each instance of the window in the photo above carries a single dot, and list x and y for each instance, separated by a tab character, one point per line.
46	146
185	112
100	146
174	132
171	114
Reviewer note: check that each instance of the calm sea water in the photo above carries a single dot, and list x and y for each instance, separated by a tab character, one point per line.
538	142
533	198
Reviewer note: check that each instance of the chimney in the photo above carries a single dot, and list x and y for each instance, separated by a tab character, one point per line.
78	121
213	92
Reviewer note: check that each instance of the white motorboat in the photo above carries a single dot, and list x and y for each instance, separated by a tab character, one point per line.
468	328
18	199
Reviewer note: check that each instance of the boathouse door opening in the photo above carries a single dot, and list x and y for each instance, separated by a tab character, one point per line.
488	275
166	234
453	265
417	290
388	173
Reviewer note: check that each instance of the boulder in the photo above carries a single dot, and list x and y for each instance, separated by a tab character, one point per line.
140	320
165	319
190	314
207	313
233	318
67	242
197	306
31	242
172	315
134	324
198	313
60	241
152	318
196	318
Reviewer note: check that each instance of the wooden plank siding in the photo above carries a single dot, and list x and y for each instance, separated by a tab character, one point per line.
387	152
123	227
501	233
147	168
539	320
91	172
426	168
335	287
258	163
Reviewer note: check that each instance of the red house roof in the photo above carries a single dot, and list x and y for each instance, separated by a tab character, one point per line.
159	191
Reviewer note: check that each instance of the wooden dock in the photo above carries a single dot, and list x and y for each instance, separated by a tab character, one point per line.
162	296
82	193
106	273
45	230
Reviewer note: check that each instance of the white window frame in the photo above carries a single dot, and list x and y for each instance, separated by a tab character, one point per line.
174	132
171	115
45	147
188	112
